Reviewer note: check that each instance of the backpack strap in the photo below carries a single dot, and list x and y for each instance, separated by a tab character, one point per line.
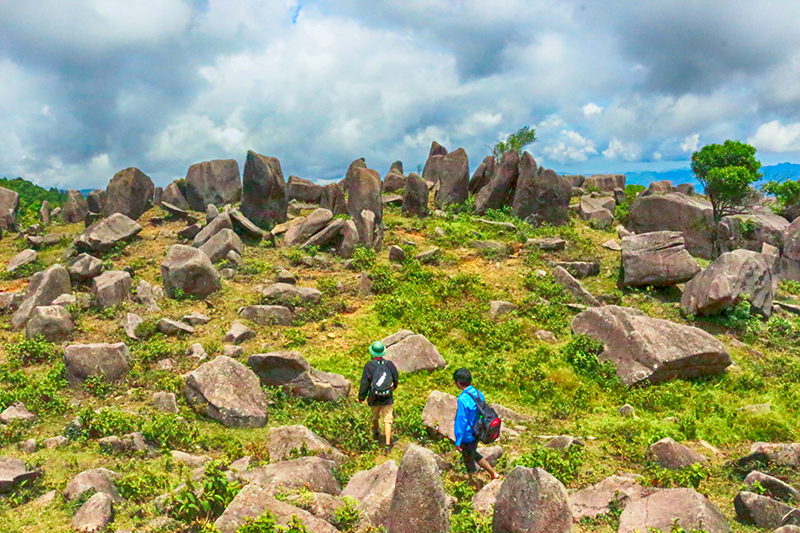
477	400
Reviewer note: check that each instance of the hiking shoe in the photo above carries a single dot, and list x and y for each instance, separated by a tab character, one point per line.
388	447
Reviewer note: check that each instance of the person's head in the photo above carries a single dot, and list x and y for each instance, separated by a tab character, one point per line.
463	378
377	349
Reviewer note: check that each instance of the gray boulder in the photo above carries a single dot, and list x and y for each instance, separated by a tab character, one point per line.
147	295
16	412
393	181
651	349
264	199
762	511
244	226
451	172
9	205
657	258
419	502
165	401
783	454
501	188
189	270
266	315
731	278
597	499
25	257
415	197
691	509
574	287
44	213
75	208
168	326
96	200
94	515
542	196
751	231
604	182
53	322
13	472
482	175
219	223
110	361
220	245
290	295
332	199
483	501
213	182
598	210
174	195
774	487
103	235
228	392
239	333
530	499
129	192
303	190
314	473
43	288
111	288
675	212
291	370
314	222
411	353
672	455
364	194
285	441
84	267
99	480
374	488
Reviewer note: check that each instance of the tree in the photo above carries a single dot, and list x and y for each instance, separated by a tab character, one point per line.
516	141
726	172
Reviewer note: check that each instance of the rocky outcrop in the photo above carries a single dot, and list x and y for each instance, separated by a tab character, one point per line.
599	211
731	278
75	208
105	234
658	258
313	223
313	473
482	175
264	199
691	509
761	511
332	199
220	245
291	370
542	196
108	361
43	288
675	212
419	502
412	353
451	172
364	194
415	197
94	515
374	488
189	270
267	315
574	287
500	189
671	455
751	231
530	499
290	295
393	181
651	349
219	223
228	392
604	182
285	441
213	182
129	192
174	195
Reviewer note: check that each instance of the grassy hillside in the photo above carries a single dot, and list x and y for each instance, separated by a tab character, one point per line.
31	197
560	386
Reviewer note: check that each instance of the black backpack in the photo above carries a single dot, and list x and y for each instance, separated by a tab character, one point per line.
382	382
486	428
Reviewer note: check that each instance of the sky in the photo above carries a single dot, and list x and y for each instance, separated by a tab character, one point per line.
90	87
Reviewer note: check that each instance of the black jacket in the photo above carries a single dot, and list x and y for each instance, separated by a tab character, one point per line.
366	381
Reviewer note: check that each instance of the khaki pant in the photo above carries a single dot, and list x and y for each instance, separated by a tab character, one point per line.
382	411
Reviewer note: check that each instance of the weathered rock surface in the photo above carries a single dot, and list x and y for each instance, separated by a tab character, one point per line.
43	288
415	197
95	514
220	245
111	288
303	190
364	194
564	278
451	172
13	472
75	208
165	401
103	235
239	333
333	200
530	499
651	349
672	455
596	500
23	258
657	258
675	212
419	502
287	440
314	222
541	196
314	473
290	369
691	509
439	414
374	488
501	188
483	501
111	361
167	326
413	353
228	392
189	270
219	223
774	487
129	192
291	295
751	231
84	267
604	182
99	480
213	182
482	175
264	199
16	412
732	277
762	511
52	322
784	454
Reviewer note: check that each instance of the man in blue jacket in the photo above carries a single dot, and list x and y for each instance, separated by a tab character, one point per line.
466	415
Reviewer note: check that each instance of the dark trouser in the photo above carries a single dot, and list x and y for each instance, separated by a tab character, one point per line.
469	452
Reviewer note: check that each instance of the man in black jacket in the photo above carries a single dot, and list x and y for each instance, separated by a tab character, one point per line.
378	381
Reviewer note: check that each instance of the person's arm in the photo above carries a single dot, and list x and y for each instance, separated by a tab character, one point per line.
395	375
366	378
461	425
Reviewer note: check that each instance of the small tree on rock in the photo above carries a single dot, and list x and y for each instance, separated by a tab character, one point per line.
516	141
726	172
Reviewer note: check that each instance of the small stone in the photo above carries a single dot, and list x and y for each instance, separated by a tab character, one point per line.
227	273
55	442
165	401
546	336
498	308
130	323
196	319
234	258
613	245
627	411
428	256
232	351
64	300
29	446
16	412
173	327
197	351
547	244
167	364
284	276
239	333
397	254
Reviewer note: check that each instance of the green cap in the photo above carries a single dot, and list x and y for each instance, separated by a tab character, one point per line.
377	349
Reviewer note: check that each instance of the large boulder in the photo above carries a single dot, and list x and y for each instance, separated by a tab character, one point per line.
483	501
291	370
174	195
657	258
84	267
23	258
75	208
219	223
13	472
374	488
531	499
96	200
99	480
751	231
52	322
791	241
111	288
189	270
393	181
213	182
303	190
43	288
762	511
220	245
451	172
109	361
651	349
228	392
574	287
783	454
411	353
732	277
660	510
501	188
332	199
482	175
290	295
314	473
542	196
604	182
439	414
129	192
314	222
675	212
672	455
285	441
9	205
415	197
419	502
264	199
772	486
351	171
598	210
254	501
364	194
267	315
104	234
597	499
94	515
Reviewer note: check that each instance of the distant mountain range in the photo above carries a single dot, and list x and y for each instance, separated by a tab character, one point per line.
780	172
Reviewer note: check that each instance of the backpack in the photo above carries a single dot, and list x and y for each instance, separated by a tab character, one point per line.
486	428
382	382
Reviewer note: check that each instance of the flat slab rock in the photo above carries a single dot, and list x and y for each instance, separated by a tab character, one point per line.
13	472
691	509
596	500
290	369
314	473
651	349
286	440
412	353
657	258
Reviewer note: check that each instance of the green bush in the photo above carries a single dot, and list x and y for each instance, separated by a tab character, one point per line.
564	465
582	353
207	505
34	351
363	258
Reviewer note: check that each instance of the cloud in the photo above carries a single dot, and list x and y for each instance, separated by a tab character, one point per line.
570	148
623	151
591	109
691	143
776	137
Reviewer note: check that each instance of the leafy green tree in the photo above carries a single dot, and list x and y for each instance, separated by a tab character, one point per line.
787	193
726	172
516	141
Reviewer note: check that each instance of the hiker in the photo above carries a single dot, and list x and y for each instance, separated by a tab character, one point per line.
466	415
378	380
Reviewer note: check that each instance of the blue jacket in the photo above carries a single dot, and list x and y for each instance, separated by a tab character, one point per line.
466	415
